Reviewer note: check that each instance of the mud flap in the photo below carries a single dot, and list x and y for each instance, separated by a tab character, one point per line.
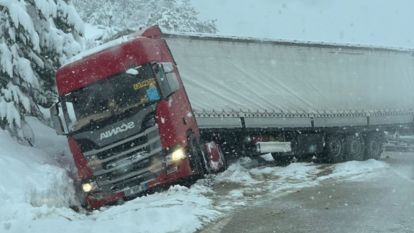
214	158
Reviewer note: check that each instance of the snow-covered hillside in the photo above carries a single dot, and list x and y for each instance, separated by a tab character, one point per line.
170	15
36	191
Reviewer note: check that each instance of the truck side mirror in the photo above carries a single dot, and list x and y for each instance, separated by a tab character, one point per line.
58	121
173	82
166	78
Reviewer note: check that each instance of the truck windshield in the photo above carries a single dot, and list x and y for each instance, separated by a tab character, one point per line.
135	88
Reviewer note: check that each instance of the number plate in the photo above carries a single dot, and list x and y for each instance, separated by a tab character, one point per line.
135	189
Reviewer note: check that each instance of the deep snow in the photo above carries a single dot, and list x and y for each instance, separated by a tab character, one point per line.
36	190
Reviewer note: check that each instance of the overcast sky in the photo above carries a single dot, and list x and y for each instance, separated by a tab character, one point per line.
371	22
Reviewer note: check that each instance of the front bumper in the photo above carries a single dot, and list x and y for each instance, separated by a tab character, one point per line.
169	174
132	166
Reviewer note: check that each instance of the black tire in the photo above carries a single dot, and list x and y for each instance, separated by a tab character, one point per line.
354	147
282	159
334	149
196	156
374	146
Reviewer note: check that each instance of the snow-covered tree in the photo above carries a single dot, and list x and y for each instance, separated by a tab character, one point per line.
36	37
170	15
178	16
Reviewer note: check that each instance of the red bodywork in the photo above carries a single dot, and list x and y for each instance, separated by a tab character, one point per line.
172	114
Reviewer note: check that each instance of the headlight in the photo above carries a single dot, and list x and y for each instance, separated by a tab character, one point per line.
87	187
178	154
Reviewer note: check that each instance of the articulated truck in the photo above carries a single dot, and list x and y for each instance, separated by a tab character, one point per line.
150	109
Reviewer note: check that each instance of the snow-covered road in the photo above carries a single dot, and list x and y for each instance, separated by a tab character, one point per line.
379	202
36	191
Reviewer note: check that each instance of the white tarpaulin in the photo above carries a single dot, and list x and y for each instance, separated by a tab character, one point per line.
242	75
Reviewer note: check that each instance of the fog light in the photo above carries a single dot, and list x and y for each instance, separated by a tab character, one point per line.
87	187
178	154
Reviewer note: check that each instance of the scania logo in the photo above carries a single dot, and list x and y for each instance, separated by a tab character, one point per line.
122	128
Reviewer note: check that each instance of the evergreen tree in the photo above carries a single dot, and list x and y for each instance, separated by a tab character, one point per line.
179	16
170	15
36	37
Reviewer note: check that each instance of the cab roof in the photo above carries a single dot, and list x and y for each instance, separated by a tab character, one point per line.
112	58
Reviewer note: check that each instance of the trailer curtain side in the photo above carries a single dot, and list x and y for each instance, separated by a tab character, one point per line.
229	78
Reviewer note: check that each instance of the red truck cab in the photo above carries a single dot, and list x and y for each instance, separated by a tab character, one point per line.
128	119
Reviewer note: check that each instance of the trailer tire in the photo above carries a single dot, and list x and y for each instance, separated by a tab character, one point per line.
282	159
374	146
354	147
196	156
334	149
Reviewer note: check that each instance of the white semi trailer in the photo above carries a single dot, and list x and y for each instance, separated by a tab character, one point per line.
332	101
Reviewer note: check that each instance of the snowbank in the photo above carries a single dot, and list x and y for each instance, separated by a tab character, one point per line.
36	191
29	179
241	184
178	210
357	171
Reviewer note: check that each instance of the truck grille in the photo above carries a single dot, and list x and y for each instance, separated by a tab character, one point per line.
128	162
123	147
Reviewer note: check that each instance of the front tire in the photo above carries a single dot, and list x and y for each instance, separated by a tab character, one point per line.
196	156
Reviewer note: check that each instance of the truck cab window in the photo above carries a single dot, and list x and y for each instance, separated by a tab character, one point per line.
117	95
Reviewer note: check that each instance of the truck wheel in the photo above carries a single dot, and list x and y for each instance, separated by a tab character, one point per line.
374	146
334	149
196	156
223	158
282	159
355	148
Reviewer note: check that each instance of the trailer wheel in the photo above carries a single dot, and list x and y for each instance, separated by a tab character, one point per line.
282	159
355	148
196	156
374	146
334	149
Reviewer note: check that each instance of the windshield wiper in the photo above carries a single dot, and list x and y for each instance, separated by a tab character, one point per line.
97	117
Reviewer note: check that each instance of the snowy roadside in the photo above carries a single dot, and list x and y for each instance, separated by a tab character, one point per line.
36	191
244	183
